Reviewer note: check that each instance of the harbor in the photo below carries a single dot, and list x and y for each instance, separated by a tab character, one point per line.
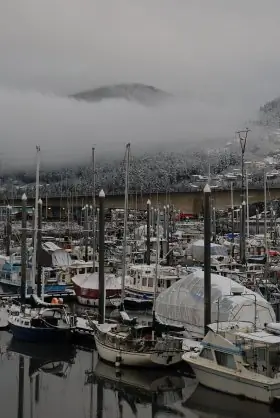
78	383
147	309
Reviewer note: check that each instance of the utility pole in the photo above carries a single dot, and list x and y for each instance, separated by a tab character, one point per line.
242	135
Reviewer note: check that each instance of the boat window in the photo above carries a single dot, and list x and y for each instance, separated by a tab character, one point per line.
225	359
150	282
207	353
168	283
144	281
261	354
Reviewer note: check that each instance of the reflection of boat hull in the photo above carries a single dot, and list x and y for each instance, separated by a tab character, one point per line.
136	359
44	352
144	384
148	382
33	334
222	405
48	358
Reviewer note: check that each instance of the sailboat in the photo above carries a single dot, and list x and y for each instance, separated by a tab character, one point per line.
132	344
47	323
86	285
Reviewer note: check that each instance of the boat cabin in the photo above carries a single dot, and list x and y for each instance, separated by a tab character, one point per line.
245	349
83	268
141	277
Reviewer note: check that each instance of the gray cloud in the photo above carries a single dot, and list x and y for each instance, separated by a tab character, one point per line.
219	58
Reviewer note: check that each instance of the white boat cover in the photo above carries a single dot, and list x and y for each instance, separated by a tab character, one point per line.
197	249
60	257
141	232
183	303
91	281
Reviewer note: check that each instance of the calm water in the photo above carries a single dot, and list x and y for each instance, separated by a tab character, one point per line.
41	381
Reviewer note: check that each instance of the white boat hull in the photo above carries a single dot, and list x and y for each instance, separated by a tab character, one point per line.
112	302
234	383
136	359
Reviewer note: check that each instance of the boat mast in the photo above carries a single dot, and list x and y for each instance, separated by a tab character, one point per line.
207	257
101	277
8	231
247	206
265	217
157	214
23	248
93	210
127	160
34	259
39	248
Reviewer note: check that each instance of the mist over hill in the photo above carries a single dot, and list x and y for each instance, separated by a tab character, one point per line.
136	92
159	168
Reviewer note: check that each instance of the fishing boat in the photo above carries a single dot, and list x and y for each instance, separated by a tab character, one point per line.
241	360
140	283
86	287
47	323
10	279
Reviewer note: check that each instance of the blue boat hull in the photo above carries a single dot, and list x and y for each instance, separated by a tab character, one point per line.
49	288
33	334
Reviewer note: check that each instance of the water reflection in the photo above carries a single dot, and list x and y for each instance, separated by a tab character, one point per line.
45	358
39	381
161	389
206	403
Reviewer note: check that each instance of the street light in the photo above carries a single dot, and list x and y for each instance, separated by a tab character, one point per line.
243	141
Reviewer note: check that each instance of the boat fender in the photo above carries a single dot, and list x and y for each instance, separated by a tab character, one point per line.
118	361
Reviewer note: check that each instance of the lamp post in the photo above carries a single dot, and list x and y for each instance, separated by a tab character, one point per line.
148	245
243	141
102	289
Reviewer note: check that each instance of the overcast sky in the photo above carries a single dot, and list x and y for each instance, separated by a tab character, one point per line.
221	57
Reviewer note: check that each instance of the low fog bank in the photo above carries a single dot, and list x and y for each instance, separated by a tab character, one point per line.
66	129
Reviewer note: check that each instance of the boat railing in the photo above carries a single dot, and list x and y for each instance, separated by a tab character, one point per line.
139	344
